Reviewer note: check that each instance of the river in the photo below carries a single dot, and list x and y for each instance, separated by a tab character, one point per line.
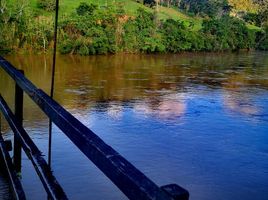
198	120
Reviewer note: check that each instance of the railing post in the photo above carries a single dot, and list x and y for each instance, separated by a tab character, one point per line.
8	143
19	116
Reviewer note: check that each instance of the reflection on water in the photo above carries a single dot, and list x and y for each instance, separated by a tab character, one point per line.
240	103
199	120
4	189
165	107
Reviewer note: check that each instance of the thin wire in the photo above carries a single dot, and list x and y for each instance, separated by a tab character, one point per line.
53	79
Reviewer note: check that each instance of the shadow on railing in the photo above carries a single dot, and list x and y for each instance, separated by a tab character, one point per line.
133	183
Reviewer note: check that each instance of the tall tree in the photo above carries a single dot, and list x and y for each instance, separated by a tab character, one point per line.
205	7
263	11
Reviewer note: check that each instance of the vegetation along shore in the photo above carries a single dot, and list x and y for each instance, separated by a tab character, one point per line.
89	27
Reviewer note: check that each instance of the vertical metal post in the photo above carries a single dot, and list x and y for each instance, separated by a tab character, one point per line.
19	117
53	80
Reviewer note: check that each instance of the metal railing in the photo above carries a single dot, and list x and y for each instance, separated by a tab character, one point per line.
133	183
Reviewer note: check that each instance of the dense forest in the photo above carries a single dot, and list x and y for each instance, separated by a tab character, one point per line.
134	26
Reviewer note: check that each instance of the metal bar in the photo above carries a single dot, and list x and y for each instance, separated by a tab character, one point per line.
19	117
50	183
15	184
133	183
53	79
175	191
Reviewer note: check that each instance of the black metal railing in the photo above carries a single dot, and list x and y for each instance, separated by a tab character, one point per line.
133	183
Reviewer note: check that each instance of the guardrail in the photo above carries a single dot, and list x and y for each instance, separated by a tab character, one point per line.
133	183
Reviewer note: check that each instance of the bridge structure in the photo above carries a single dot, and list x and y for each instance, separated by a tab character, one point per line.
132	182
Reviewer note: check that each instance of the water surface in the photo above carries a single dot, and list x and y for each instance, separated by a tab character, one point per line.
198	120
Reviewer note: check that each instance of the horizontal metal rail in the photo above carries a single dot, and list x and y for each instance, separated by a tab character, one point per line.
133	183
15	183
48	180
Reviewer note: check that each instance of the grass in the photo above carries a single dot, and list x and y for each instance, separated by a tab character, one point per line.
253	27
166	13
131	6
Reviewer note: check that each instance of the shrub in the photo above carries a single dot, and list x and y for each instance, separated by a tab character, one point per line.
227	33
176	36
262	39
206	7
66	46
84	9
48	5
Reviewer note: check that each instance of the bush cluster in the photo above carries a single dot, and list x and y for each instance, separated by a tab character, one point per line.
48	5
92	30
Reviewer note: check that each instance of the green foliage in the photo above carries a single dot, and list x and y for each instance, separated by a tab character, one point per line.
107	30
262	12
227	33
85	9
176	36
141	34
262	39
47	5
248	6
3	39
90	31
149	2
66	46
20	30
252	18
206	7
130	39
120	11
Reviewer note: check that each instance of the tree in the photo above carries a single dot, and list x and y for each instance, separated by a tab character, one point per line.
85	9
263	12
244	5
150	3
227	33
206	7
176	36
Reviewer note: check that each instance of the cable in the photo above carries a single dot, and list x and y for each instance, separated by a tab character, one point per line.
53	78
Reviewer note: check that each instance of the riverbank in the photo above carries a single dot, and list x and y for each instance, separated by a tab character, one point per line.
93	30
49	52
